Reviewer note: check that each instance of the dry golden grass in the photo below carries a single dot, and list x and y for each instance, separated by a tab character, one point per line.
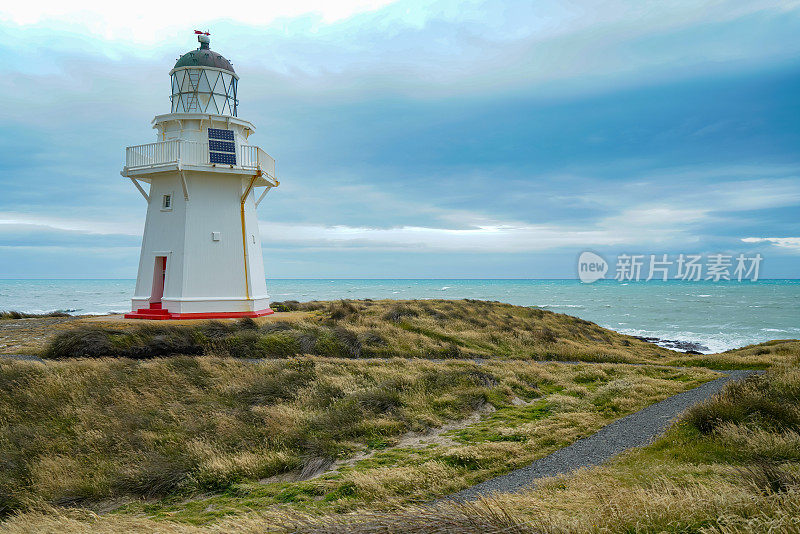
218	444
688	481
480	329
85	431
685	482
591	502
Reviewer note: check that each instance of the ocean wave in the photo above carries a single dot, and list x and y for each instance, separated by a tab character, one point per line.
715	342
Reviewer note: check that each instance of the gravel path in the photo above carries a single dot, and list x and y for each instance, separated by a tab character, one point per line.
635	430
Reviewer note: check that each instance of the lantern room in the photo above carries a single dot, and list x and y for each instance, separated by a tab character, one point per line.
203	81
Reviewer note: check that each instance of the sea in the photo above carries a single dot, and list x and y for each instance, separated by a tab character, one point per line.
716	315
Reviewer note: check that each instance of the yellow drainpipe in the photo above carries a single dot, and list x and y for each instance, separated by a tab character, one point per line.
244	231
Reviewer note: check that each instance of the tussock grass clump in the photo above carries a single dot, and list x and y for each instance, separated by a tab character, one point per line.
281	340
244	339
11	314
146	341
770	402
770	478
342	309
399	311
293	305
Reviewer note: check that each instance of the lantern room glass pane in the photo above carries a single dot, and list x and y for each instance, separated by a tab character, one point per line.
203	86
183	80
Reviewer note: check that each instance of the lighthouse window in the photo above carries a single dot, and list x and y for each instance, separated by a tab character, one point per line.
166	203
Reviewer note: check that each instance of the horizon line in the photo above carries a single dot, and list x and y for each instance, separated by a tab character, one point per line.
464	279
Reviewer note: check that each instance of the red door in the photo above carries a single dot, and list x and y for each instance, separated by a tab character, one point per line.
159	275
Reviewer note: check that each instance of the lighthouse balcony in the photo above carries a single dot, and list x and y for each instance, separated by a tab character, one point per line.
178	154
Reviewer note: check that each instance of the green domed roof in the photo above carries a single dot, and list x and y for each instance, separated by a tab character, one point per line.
204	57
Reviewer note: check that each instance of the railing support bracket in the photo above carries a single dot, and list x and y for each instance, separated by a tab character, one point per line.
140	188
184	185
263	194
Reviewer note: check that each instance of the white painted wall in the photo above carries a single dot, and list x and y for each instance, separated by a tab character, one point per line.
163	236
193	127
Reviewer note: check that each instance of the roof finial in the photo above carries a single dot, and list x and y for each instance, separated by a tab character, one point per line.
203	37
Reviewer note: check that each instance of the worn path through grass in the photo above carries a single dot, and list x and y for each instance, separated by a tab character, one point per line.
634	430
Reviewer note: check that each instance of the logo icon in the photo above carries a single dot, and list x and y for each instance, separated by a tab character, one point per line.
591	267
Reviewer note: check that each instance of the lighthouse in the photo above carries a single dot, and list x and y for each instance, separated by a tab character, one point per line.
202	181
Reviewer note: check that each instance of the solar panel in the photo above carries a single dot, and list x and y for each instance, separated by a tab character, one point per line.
221	146
216	133
223	158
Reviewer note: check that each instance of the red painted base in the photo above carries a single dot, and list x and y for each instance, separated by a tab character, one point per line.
156	313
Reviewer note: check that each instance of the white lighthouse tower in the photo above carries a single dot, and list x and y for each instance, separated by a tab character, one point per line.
201	248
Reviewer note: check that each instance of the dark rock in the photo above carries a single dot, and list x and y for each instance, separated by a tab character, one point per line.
689	347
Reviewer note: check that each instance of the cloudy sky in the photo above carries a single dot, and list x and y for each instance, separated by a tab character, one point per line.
420	138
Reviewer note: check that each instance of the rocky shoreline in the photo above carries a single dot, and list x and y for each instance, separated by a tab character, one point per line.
689	347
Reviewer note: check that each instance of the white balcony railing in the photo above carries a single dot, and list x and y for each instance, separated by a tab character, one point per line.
153	154
252	157
247	156
193	153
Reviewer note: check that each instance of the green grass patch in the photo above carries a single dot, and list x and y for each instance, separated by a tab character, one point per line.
487	430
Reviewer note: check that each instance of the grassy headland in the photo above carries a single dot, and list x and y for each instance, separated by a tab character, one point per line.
358	406
437	329
430	329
